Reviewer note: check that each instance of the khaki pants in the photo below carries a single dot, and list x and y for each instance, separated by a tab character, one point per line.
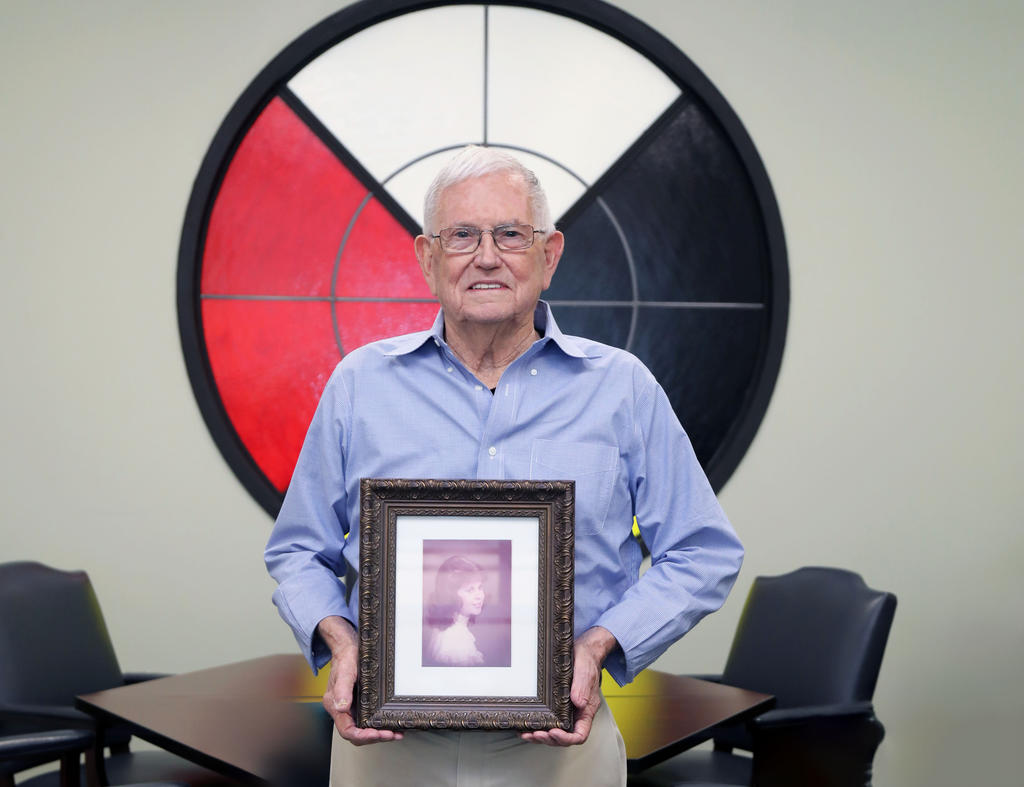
482	759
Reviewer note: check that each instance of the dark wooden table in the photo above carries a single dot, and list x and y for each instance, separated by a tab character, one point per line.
261	722
660	714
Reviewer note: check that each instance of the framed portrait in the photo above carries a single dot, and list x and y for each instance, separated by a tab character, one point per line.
465	604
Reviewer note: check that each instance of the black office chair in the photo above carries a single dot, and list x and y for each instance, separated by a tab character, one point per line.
54	645
814	638
21	752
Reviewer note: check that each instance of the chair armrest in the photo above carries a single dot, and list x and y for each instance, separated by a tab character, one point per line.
16	718
35	744
44	715
807	714
709	678
24	717
142	677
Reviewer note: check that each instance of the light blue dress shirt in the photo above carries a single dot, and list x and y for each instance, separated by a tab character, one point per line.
568	408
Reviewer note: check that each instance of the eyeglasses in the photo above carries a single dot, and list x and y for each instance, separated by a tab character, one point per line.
507	237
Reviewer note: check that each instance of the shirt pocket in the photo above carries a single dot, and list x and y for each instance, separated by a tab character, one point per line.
592	466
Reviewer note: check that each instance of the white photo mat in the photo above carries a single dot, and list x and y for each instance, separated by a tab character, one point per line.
411	677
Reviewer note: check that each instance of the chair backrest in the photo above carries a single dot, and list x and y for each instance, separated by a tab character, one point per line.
811	637
54	642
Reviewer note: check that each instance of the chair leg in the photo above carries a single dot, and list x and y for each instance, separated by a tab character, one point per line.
95	772
69	772
100	762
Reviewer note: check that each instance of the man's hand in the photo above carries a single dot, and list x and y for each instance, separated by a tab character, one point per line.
589	652
343	642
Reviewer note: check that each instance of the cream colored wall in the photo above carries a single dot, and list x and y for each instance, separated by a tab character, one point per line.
892	445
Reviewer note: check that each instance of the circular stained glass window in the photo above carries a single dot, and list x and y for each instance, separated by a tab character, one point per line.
298	239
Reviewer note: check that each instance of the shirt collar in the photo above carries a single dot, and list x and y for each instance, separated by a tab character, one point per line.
545	322
543	319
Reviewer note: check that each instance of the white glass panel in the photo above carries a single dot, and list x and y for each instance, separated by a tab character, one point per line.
385	92
587	95
409	186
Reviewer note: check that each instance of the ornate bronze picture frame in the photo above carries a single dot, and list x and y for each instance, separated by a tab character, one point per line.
465	604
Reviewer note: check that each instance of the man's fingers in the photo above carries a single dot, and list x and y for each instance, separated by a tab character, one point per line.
558	737
338	702
580	697
340	635
340	686
586	683
360	736
580	730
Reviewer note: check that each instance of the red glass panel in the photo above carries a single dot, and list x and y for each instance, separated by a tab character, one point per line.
280	214
271	361
361	323
378	260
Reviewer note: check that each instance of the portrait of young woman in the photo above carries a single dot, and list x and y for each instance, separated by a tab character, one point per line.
466	610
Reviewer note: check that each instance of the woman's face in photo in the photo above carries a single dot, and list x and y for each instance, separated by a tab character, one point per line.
472	596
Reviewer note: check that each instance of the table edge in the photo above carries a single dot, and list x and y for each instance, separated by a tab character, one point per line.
651	759
105	717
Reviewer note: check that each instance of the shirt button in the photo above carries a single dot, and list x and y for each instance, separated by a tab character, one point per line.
450	369
478	387
492	450
533	372
437	341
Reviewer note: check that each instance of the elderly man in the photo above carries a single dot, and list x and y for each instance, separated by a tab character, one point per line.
495	390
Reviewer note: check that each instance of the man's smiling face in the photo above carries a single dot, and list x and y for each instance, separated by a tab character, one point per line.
488	285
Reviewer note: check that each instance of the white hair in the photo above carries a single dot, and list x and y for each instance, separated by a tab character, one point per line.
475	161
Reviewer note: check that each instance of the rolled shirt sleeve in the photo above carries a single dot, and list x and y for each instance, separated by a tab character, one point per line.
306	549
695	553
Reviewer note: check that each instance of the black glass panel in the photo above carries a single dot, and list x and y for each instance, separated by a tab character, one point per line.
705	360
689	213
594	266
